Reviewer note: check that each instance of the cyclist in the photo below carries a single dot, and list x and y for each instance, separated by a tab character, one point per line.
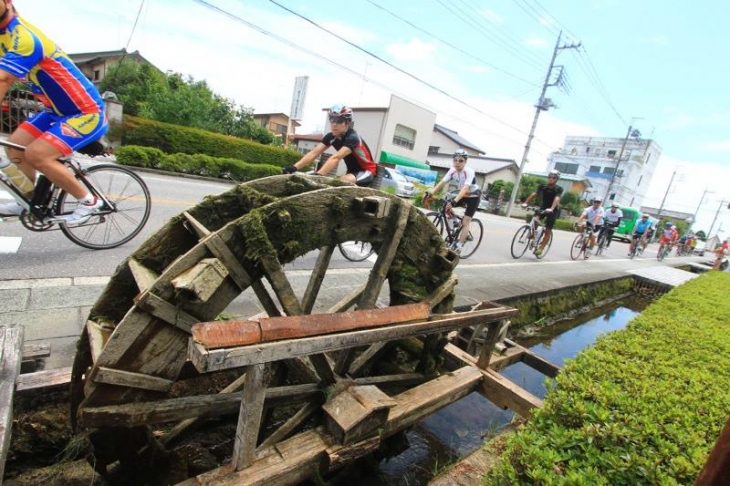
361	168
73	116
641	228
670	235
593	217
721	254
468	193
611	219
551	193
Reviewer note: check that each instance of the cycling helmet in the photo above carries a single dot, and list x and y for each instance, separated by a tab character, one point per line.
554	173
674	226
340	111
614	205
597	200
667	224
460	153
645	215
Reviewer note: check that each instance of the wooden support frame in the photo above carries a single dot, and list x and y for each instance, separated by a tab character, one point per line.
11	342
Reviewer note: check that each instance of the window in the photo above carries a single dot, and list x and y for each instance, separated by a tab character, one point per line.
595	168
611	154
566	168
433	150
404	137
97	75
609	170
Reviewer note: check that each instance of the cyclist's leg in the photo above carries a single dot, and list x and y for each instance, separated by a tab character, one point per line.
363	178
547	234
471	204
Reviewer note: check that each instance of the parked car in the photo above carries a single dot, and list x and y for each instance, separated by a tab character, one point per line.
484	205
394	179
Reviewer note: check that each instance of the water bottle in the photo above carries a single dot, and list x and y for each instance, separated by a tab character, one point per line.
16	176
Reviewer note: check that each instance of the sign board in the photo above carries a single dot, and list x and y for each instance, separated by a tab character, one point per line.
297	99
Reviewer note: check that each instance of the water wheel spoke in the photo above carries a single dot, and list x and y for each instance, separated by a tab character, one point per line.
249	417
347	301
315	281
291	425
366	358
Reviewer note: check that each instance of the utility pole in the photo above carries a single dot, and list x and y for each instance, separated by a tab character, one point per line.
543	104
629	133
694	216
722	203
661	206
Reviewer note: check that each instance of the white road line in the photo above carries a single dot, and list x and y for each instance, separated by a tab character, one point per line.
10	244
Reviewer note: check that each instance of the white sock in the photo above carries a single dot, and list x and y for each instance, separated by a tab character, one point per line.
88	199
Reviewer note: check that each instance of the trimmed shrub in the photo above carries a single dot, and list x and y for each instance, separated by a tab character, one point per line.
136	156
645	405
173	139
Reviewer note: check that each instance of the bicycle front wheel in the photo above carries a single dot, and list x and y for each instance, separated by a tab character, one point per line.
661	253
601	244
520	241
437	221
473	239
117	223
355	251
577	247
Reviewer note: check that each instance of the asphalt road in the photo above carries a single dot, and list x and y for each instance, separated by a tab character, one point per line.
49	254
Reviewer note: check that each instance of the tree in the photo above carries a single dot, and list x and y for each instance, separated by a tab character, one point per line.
701	235
134	84
498	185
528	184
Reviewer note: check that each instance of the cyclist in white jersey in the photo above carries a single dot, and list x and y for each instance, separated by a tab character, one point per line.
468	194
593	217
611	219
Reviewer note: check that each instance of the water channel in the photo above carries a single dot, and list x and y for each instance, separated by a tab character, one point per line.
462	427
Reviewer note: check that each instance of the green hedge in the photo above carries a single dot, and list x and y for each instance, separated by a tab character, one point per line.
173	139
645	405
197	164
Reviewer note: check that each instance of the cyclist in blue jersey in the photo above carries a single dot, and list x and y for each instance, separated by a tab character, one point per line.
74	111
640	232
361	168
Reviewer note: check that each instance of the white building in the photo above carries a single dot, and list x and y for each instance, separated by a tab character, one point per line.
597	159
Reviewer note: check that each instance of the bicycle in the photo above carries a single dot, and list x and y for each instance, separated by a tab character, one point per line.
603	240
638	249
125	211
581	243
449	226
529	236
664	250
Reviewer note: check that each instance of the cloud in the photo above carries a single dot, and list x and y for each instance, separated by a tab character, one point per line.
720	146
535	42
415	50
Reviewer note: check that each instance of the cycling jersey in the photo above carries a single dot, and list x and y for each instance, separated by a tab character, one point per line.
669	235
613	217
359	159
642	226
464	177
594	216
548	194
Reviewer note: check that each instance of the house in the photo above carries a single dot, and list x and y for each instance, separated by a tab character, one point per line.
446	141
96	65
596	159
278	124
305	143
570	183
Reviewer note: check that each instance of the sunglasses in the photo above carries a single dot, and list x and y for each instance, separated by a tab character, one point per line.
459	161
552	177
337	120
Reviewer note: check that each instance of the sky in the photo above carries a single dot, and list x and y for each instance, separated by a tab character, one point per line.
659	66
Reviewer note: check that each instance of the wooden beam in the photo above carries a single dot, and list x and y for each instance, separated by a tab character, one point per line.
347	301
493	333
249	418
540	364
166	311
195	407
32	352
506	394
367	357
98	336
143	276
11	342
443	291
198	228
213	360
291	425
58	377
130	379
315	280
202	280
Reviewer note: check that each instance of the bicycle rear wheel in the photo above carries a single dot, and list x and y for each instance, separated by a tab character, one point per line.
661	253
577	247
600	244
112	226
473	239
356	251
520	241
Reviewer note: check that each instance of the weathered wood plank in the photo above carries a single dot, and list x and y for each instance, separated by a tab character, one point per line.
11	342
356	413
164	310
200	230
506	394
98	337
184	408
43	379
226	334
347	301
493	332
129	379
366	357
315	280
291	425
443	291
32	352
540	364
206	361
143	276
202	280
249	418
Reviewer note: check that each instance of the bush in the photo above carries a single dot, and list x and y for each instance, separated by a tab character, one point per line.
645	405
173	139
198	164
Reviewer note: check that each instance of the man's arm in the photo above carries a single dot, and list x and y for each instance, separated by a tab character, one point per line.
309	157
530	198
334	160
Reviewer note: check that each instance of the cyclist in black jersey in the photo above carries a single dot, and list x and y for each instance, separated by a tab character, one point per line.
361	168
551	193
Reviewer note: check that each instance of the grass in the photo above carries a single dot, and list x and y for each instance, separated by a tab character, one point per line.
645	405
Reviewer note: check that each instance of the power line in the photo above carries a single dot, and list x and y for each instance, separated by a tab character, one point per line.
450	45
134	27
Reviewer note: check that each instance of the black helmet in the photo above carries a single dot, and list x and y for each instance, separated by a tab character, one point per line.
554	173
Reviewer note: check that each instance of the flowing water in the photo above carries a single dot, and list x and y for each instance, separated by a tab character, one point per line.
460	428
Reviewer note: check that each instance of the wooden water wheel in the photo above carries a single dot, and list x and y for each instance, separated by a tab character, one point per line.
135	345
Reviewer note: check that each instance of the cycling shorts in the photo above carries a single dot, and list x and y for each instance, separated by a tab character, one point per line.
550	218
471	204
66	132
364	178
